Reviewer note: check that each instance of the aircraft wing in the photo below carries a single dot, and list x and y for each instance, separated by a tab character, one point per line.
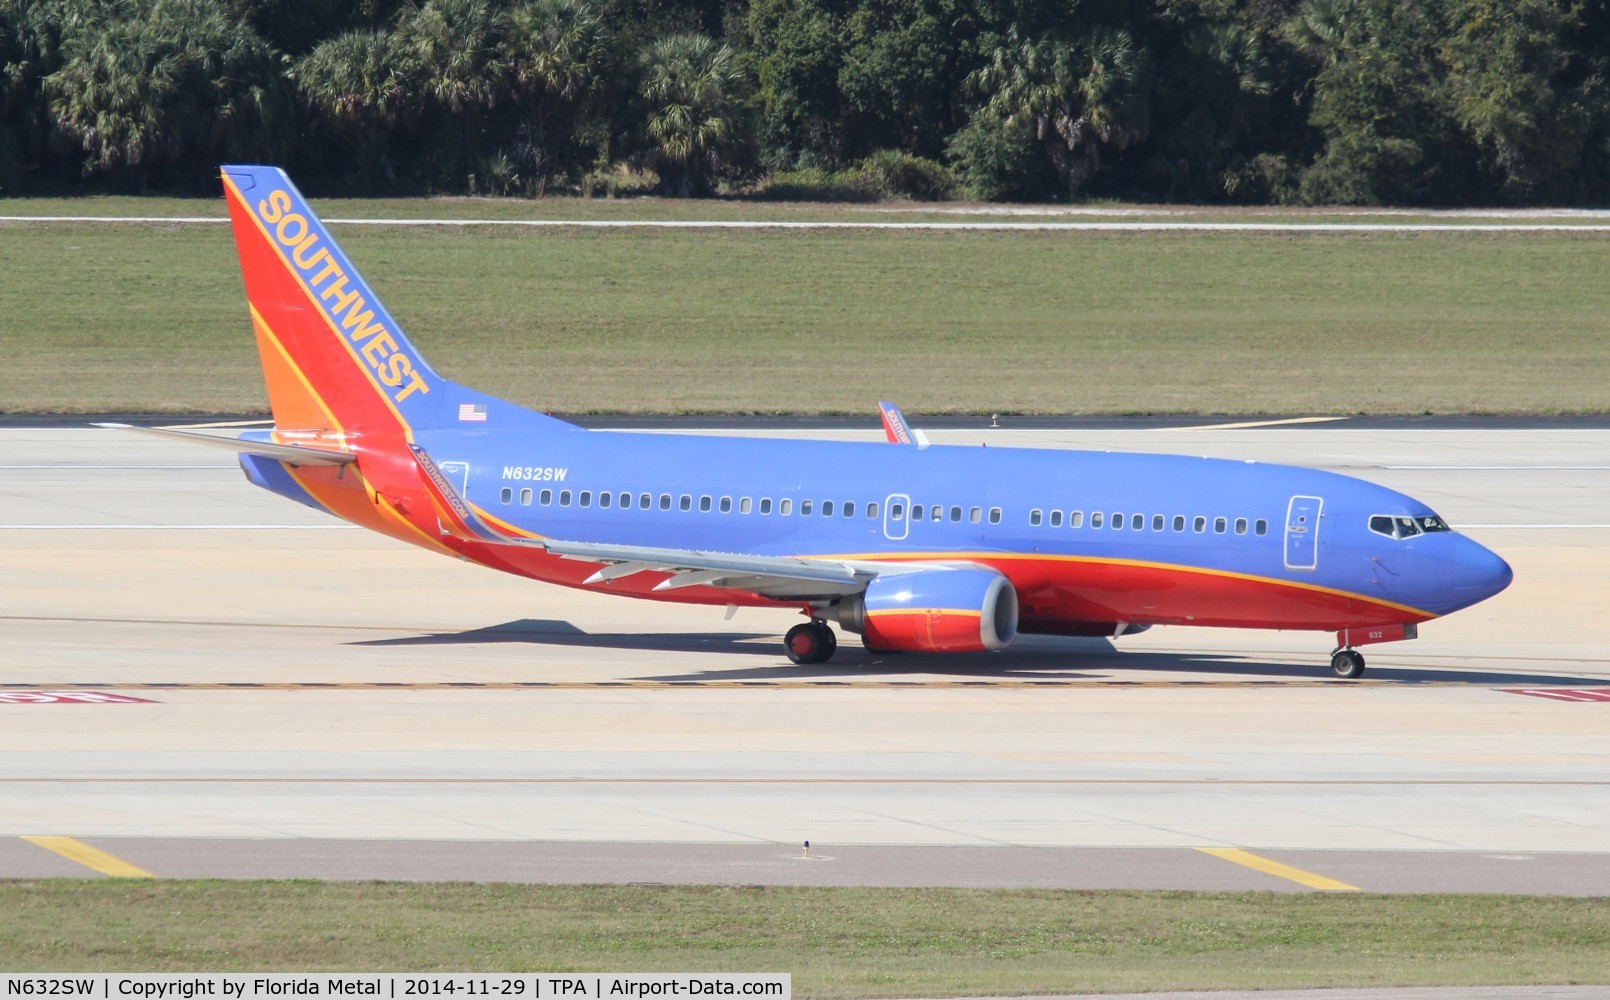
777	577
771	576
295	454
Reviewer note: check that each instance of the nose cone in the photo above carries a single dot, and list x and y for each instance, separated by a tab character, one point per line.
1479	574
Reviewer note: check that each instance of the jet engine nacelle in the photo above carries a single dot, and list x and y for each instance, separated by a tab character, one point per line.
932	611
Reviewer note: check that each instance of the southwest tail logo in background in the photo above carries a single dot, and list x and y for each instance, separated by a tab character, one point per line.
333	357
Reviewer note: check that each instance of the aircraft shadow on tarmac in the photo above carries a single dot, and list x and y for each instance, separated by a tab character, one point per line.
1035	658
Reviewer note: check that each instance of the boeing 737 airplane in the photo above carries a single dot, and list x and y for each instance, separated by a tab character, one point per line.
913	547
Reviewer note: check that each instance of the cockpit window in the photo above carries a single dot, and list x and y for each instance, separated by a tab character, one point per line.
1401	526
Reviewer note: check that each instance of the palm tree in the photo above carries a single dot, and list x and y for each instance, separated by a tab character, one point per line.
358	85
454	47
1323	27
455	43
166	85
691	89
1075	96
550	49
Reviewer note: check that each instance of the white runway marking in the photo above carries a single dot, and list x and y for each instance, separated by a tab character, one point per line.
1534	527
1247	424
1249	227
1006	428
1500	468
178	527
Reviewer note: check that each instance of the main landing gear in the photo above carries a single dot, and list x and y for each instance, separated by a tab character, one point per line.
810	642
1347	663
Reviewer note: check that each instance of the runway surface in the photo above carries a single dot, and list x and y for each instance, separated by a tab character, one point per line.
245	690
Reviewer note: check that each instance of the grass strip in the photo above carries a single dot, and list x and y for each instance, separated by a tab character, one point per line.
152	318
846	943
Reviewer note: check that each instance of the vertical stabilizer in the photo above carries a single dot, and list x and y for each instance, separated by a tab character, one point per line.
331	352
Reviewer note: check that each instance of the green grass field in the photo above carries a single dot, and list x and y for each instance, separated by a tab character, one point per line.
97	318
835	942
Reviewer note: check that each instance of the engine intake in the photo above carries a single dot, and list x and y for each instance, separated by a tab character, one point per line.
932	610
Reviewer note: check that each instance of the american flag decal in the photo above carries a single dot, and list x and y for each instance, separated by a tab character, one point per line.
471	411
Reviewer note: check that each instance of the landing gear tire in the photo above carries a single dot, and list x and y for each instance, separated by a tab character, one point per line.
810	642
1347	663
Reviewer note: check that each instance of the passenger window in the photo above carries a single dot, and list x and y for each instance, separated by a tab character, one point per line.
585	499
745	505
704	504
545	498
665	501
1076	519
726	505
916	512
897	512
1137	521
1199	525
849	508
872	510
995	515
785	507
645	501
1056	519
765	505
937	513
626	502
603	499
805	508
1240	525
1179	522
507	495
1218	525
1260	527
827	508
525	497
1095	519
975	514
686	502
1157	522
1117	522
956	515
1034	517
564	498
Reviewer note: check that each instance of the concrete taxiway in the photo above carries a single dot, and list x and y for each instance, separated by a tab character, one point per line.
301	698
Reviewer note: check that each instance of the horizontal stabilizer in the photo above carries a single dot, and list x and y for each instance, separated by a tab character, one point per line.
295	454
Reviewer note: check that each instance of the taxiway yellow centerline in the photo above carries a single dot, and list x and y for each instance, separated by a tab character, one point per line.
1270	867
89	857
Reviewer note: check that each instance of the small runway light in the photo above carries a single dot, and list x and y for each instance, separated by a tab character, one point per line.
807	852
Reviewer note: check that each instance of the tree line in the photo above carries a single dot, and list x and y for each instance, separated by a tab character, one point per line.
1391	102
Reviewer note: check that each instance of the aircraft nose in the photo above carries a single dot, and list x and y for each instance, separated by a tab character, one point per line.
1481	573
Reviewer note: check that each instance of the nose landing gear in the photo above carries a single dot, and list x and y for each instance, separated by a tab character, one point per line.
1347	663
810	642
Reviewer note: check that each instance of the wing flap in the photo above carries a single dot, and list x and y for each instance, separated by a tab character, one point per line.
769	576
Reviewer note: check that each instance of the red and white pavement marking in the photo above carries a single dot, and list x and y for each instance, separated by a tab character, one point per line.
69	698
1563	694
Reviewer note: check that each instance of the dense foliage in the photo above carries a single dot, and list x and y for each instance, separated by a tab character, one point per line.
1428	102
